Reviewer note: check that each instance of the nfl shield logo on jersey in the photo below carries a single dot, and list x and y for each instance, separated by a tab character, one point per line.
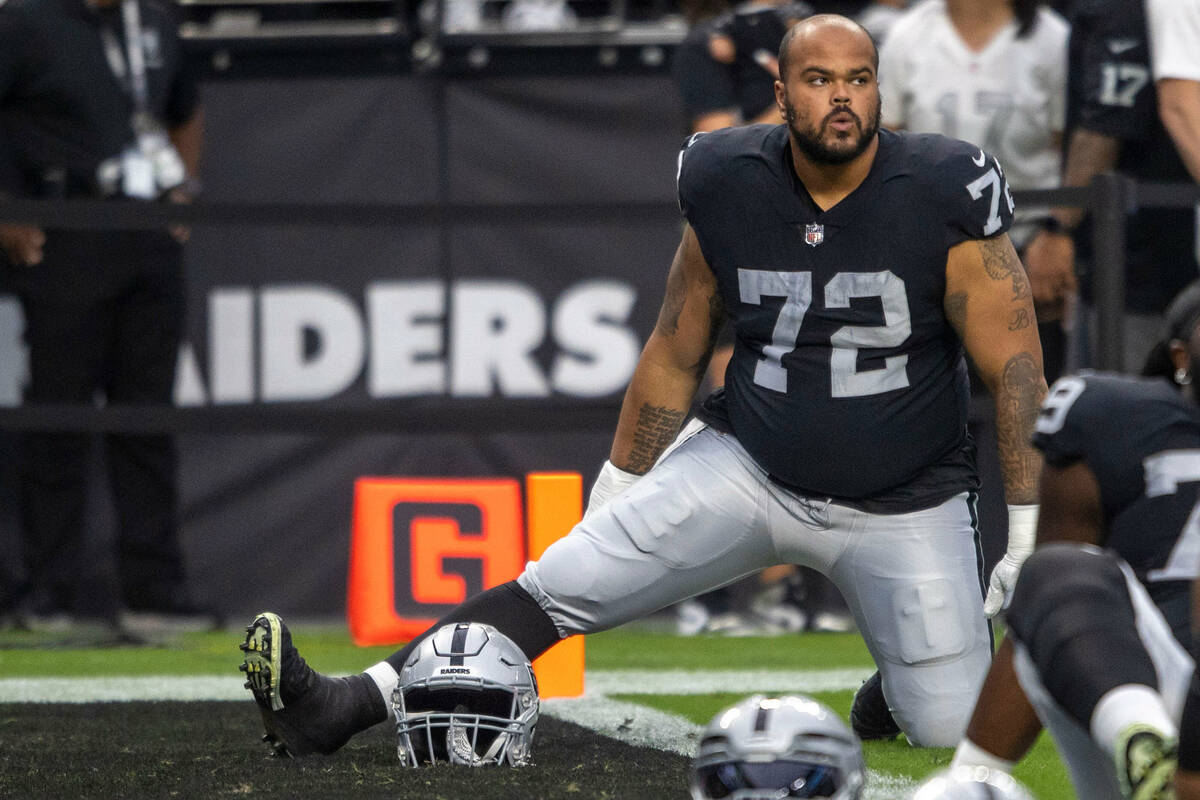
814	234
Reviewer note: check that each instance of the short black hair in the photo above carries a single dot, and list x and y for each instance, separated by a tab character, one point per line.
786	44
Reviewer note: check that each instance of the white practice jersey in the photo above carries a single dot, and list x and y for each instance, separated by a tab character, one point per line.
1008	98
1174	32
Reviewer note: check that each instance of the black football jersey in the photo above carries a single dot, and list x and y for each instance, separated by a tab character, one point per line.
846	380
1110	91
1141	439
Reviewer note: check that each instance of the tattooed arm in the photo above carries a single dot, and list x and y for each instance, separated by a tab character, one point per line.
672	362
988	301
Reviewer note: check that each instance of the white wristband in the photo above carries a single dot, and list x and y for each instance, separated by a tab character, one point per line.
611	481
1022	530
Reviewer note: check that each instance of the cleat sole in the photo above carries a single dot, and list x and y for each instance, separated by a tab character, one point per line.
262	660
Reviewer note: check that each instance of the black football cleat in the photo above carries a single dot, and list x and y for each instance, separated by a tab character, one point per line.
870	716
303	711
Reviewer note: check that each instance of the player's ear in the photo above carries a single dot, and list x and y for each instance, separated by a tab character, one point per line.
781	99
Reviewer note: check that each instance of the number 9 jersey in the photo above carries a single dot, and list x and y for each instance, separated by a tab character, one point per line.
1140	437
847	380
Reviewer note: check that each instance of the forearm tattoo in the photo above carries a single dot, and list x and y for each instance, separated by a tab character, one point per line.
656	428
1002	264
1019	396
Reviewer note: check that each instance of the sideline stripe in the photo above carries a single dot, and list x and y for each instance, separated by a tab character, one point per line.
599	683
716	681
117	689
629	722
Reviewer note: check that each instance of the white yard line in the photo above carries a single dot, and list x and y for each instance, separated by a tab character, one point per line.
599	683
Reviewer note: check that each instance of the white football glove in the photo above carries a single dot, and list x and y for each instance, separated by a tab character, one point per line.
1022	534
611	481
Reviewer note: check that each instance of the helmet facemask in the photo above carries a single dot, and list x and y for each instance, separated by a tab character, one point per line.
467	696
469	722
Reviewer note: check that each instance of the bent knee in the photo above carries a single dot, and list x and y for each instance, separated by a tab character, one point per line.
932	702
1067	588
941	726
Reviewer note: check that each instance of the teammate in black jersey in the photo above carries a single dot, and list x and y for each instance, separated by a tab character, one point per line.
1100	635
854	265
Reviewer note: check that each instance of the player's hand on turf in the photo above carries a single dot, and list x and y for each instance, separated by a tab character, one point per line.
611	482
1050	261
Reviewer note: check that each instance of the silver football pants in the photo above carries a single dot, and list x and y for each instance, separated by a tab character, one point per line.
707	514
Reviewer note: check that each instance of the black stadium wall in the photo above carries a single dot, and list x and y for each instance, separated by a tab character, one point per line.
529	273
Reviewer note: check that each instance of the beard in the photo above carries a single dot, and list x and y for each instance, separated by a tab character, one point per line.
846	147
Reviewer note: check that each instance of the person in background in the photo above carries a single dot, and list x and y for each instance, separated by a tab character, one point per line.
1114	124
97	101
720	69
993	73
1175	64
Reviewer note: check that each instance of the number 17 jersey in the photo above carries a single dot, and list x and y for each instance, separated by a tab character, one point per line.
847	380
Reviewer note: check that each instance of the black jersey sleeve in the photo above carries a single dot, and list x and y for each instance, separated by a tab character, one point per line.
1110	59
699	172
969	187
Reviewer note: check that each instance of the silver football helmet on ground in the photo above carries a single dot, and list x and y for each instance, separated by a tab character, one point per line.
467	695
766	748
971	783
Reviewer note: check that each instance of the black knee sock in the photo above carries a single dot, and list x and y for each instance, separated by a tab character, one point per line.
508	608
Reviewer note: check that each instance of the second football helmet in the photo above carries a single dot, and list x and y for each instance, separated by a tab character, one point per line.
971	782
467	695
766	748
